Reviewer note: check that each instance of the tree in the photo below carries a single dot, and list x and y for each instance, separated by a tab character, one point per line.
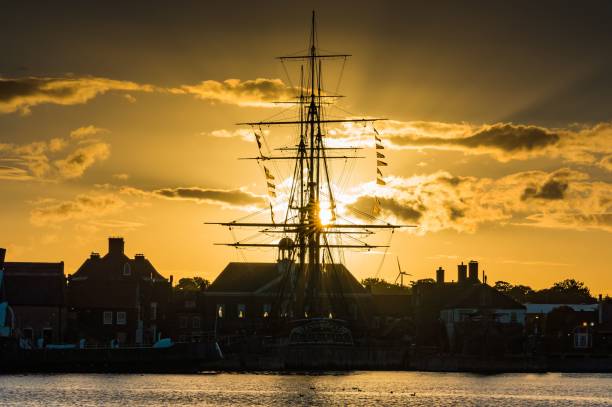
503	286
423	281
380	284
521	293
192	284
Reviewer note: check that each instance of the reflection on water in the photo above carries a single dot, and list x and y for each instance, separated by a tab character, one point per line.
359	388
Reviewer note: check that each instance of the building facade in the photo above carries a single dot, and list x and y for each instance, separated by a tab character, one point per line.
35	293
114	298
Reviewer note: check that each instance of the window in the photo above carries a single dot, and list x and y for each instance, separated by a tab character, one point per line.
220	310
183	322
153	311
195	322
28	333
241	310
107	318
121	318
127	270
267	310
47	335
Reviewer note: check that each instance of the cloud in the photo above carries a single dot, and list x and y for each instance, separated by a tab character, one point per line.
42	160
121	176
86	131
502	141
260	92
83	207
233	198
440	201
75	164
21	94
14	174
606	163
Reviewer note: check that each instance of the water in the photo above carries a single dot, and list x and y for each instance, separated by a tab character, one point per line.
357	388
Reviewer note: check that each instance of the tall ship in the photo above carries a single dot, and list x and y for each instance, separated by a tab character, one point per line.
317	302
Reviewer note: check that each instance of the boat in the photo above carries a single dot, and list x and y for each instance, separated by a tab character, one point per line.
312	322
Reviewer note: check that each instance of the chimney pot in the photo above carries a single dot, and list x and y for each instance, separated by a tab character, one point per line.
440	275
115	245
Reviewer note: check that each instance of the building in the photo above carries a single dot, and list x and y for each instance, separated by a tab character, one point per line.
244	295
483	319
187	312
466	316
35	293
117	298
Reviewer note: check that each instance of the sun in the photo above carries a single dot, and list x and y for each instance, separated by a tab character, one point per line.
325	214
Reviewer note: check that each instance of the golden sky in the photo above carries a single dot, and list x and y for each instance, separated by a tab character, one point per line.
118	120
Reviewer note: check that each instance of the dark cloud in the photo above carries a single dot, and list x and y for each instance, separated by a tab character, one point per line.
232	197
260	92
404	210
552	189
501	138
20	94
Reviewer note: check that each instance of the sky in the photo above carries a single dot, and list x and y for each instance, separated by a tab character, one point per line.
118	119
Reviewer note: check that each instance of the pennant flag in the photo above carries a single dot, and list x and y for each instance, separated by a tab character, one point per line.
381	163
379	155
379	146
379	181
268	173
376	208
258	140
271	185
272	193
379	172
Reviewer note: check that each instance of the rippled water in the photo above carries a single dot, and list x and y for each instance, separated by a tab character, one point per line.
357	388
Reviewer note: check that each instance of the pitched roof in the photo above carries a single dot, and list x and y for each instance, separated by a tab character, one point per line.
112	266
483	296
245	277
265	277
37	284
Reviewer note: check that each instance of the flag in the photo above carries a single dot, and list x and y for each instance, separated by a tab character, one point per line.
379	155
379	172
376	207
381	163
258	140
379	146
271	185
268	173
379	181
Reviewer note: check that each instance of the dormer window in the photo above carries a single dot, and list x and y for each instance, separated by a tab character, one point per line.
127	270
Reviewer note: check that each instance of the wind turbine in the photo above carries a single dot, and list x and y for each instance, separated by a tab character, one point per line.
401	274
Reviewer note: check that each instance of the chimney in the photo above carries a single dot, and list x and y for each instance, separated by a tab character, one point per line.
115	245
2	254
94	255
440	275
461	273
473	271
139	257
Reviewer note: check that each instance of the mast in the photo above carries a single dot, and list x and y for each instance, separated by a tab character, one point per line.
309	246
